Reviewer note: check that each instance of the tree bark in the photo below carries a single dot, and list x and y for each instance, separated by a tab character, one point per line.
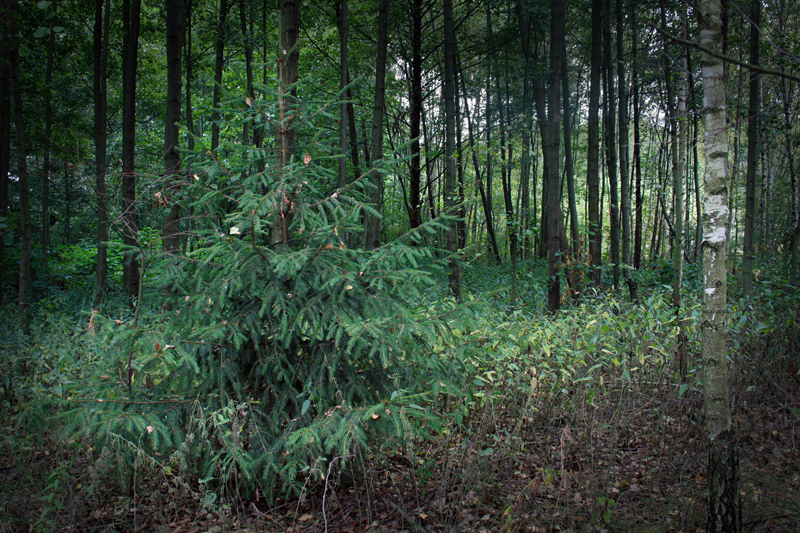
611	147
131	10
48	140
373	229
343	69
593	148
172	160
22	171
451	179
102	15
219	63
288	63
724	505
748	247
415	116
679	177
624	151
5	145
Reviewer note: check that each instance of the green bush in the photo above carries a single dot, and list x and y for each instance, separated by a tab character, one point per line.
258	364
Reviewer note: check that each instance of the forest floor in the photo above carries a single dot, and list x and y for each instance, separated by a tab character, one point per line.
633	461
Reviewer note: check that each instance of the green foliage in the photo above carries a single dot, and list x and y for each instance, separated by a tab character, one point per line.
261	363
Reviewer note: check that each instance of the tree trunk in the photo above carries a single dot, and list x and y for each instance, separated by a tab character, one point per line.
451	179
246	18
5	153
569	170
593	149
172	160
189	62
373	229
102	15
288	63
343	69
748	247
131	10
724	504
623	159
611	148
48	140
637	153
415	111
219	63
679	177
22	172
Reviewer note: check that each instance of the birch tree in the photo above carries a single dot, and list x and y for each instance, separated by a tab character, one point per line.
724	506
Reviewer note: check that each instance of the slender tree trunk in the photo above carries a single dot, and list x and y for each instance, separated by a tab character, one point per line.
67	204
724	503
593	149
679	178
343	68
569	170
624	151
611	148
637	154
373	229
219	63
245	19
172	160
131	10
48	140
794	218
487	211
22	171
753	149
288	64
451	183
189	62
557	47
415	111
101	38
5	147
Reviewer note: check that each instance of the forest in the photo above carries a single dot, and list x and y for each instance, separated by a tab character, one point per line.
399	266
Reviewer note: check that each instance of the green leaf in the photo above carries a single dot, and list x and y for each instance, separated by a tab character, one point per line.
682	390
41	32
43	4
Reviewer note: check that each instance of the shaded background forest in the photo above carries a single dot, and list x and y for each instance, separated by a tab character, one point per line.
632	172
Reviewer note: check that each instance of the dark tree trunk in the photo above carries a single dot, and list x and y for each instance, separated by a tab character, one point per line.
373	229
593	149
102	16
343	69
22	171
288	63
131	10
415	111
172	159
48	141
189	62
637	154
451	183
487	211
550	144
753	148
611	147
623	159
245	19
219	63
5	154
